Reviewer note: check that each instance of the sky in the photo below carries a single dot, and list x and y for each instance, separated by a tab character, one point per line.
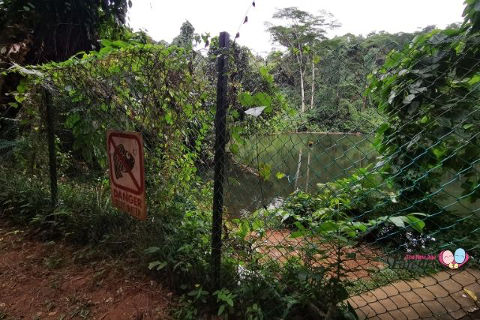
162	19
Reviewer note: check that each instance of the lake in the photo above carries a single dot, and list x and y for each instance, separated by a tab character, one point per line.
305	160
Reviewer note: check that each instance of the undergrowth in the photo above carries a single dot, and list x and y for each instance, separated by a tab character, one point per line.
175	243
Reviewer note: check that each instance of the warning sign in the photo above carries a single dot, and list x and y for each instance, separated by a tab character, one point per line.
127	181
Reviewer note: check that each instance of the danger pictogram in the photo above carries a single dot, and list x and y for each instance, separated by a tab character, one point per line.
127	182
123	161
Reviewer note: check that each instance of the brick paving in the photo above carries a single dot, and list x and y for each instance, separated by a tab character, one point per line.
440	296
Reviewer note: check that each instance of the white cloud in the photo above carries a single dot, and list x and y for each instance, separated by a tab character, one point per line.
162	19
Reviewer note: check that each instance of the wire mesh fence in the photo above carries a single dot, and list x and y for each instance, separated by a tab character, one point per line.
385	213
375	218
149	89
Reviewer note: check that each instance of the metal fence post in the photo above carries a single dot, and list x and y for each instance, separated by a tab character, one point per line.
220	143
52	161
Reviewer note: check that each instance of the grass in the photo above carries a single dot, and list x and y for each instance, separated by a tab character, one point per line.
382	278
180	232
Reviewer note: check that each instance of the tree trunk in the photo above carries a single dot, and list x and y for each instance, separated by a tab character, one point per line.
299	165
308	171
302	74
302	89
313	85
337	97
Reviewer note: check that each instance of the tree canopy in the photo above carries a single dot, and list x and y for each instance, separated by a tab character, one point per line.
299	32
35	32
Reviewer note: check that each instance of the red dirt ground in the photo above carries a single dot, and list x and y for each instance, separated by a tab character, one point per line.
41	280
280	246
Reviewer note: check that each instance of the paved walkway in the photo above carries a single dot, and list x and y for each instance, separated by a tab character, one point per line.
441	296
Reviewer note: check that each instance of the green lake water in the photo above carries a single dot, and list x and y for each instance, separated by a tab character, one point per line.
305	160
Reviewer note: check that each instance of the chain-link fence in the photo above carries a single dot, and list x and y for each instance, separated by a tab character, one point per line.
66	110
383	214
373	217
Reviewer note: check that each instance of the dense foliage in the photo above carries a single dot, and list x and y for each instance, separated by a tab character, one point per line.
35	32
338	81
430	93
42	31
160	92
427	96
91	93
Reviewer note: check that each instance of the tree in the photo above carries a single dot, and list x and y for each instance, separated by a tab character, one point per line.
55	30
339	80
299	35
186	37
35	32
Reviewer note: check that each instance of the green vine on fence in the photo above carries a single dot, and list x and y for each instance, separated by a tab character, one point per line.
430	93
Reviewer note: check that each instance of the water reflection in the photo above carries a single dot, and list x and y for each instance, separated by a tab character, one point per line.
303	159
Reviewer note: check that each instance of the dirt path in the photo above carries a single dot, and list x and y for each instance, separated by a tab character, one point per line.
53	281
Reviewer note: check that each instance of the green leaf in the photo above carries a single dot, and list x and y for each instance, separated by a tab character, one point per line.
397	221
169	118
234	148
299	226
475	79
236	133
360	226
264	72
105	43
381	130
415	223
188	109
328	226
21	88
221	309
120	44
297	234
262	99
265	170
235	114
104	107
245	99
19	98
244	229
351	255
280	175
152	250
439	151
158	265
72	120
